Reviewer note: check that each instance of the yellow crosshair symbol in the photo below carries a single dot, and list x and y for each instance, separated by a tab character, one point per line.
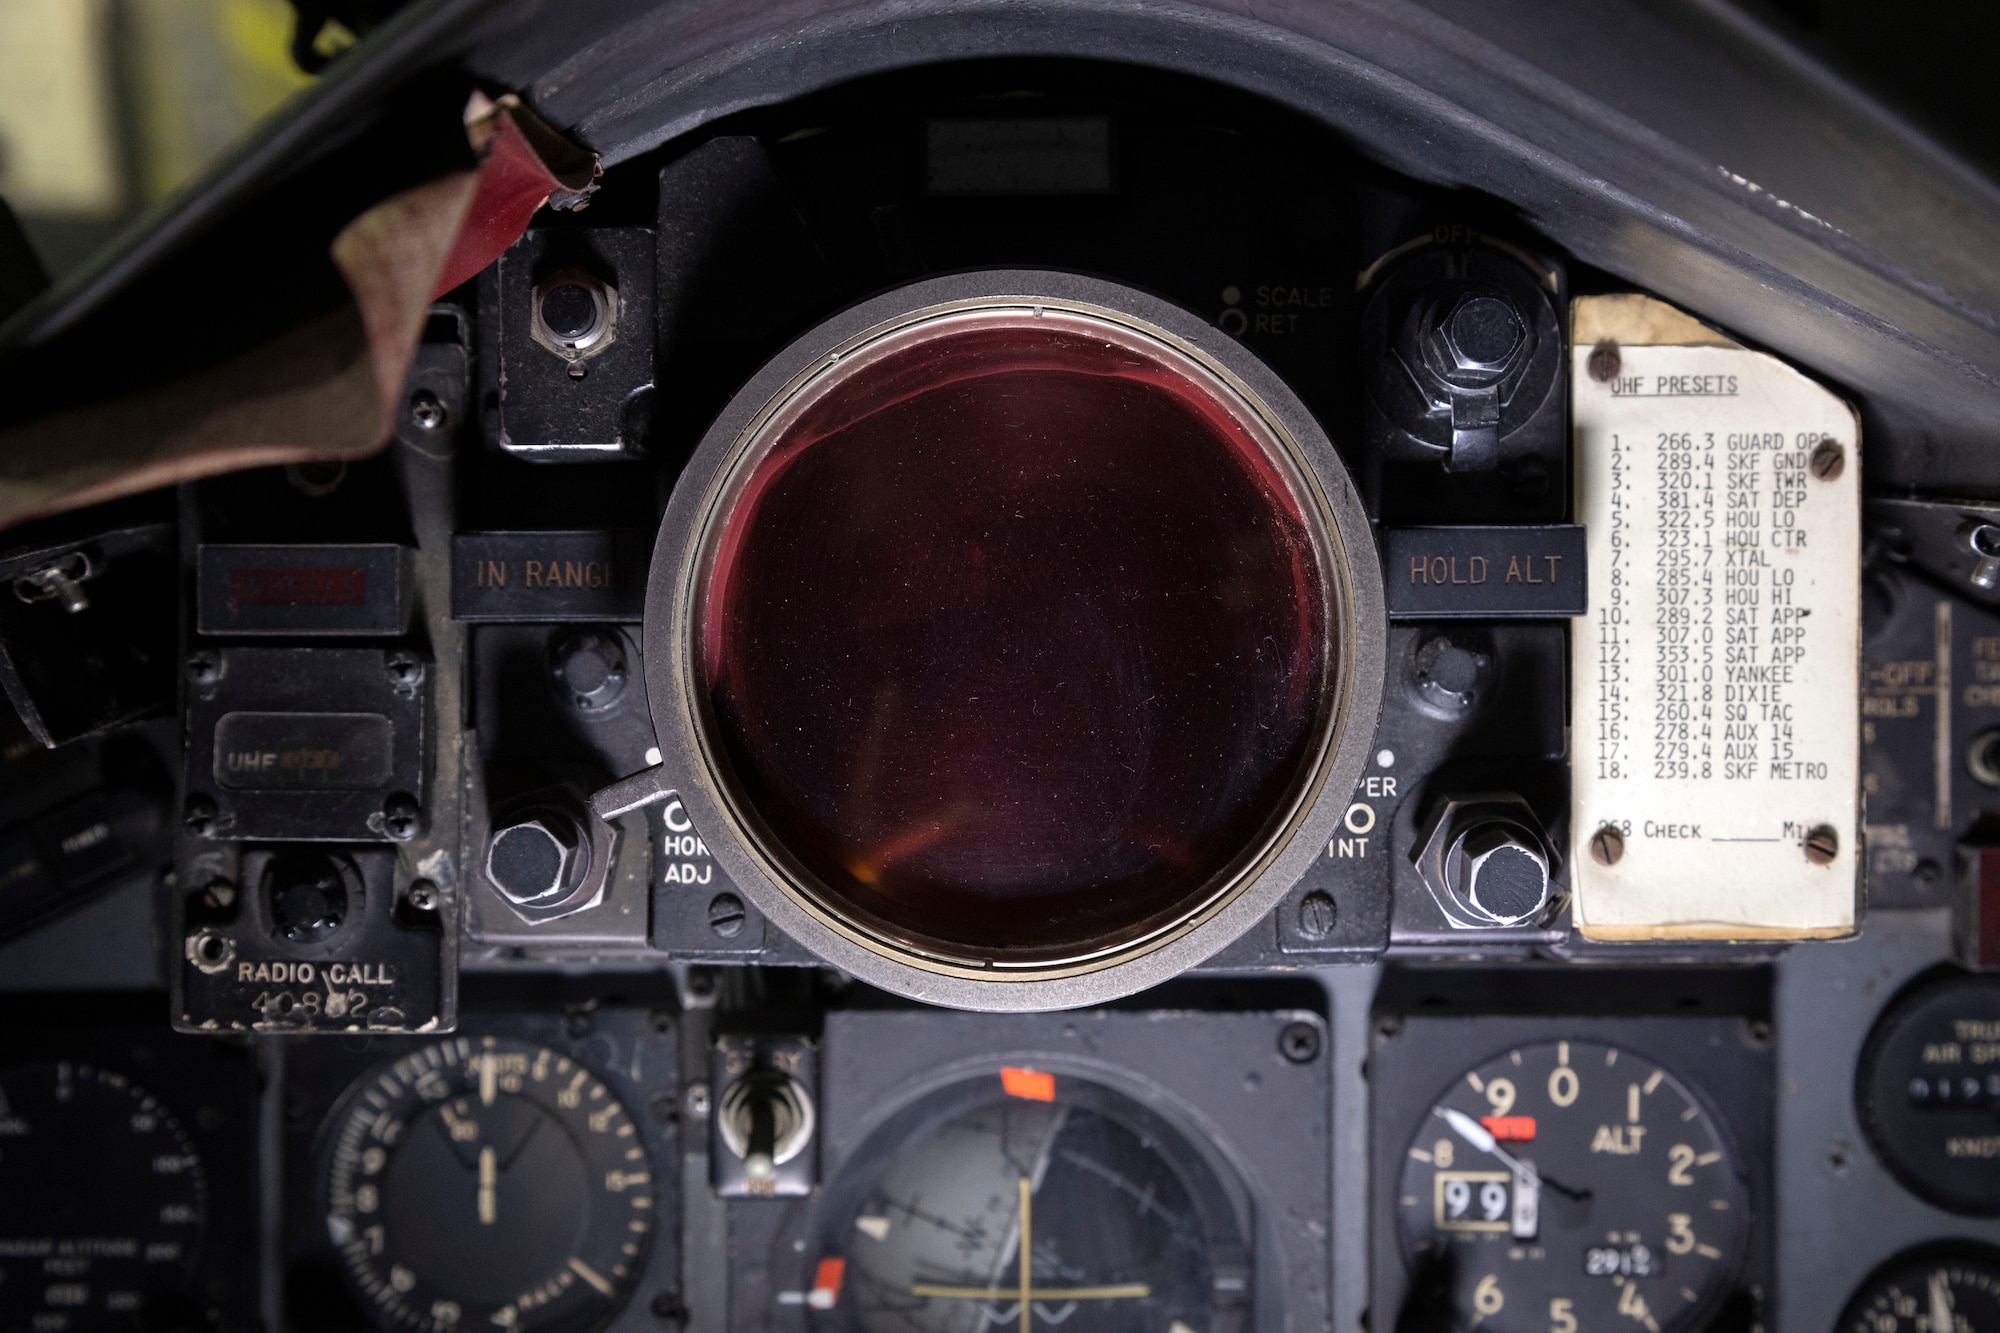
1026	1291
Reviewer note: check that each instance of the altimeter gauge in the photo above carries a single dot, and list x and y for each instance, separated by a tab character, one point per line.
488	1183
1571	1187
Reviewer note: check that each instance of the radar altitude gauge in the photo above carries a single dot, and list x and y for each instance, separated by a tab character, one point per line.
102	1202
488	1183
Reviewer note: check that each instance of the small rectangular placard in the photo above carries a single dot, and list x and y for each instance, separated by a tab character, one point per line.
1485	573
303	751
1029	155
302	590
1715	716
544	576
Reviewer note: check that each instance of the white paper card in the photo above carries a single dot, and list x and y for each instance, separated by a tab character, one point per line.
1714	722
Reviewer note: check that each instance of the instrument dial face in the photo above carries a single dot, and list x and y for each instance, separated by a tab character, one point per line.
487	1183
102	1201
1953	1288
1000	1212
1571	1187
1928	1087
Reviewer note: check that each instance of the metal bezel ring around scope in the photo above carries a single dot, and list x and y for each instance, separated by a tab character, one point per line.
1256	879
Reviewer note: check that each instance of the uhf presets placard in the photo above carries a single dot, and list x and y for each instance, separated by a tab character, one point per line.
1716	747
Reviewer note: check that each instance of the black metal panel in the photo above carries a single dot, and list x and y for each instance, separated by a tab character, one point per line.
307	743
87	630
1643	189
1253	1086
368	964
1424	1037
589	405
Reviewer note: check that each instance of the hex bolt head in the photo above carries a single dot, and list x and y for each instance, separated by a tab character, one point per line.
1607	846
1502	873
535	859
1483	331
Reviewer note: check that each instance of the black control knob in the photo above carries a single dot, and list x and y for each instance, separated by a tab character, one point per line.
590	669
1501	872
1449	673
306	896
1463	349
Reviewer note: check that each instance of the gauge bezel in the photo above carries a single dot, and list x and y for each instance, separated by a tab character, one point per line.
175	1278
1928	1254
1427	1030
1214	1184
346	1107
1892	1021
1257	877
1731	1262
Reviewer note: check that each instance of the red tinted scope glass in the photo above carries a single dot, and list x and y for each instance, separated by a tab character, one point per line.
1014	641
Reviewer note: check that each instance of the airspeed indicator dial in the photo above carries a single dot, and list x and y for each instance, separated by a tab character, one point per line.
487	1183
1571	1187
1952	1287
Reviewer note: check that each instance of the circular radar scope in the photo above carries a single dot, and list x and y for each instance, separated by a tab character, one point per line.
1059	1204
1018	638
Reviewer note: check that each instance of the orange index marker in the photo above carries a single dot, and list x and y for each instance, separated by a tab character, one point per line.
1510	1128
1028	1084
